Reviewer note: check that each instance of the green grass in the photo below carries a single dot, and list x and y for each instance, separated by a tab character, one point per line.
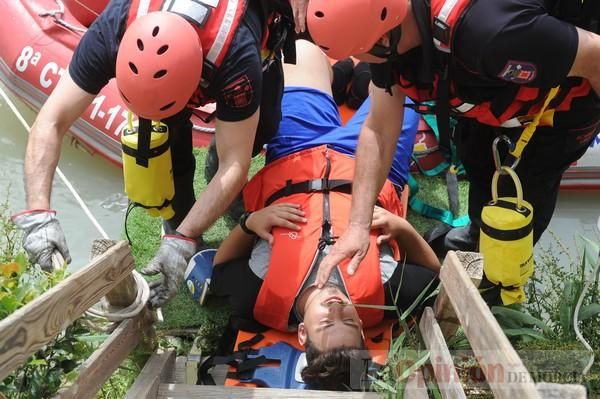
432	190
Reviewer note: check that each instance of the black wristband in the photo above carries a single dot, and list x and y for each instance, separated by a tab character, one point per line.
243	220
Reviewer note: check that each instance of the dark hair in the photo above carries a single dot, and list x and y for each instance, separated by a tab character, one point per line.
340	369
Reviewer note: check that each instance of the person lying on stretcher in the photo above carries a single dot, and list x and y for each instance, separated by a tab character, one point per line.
297	204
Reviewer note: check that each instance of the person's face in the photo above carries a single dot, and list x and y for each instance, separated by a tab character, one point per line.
329	321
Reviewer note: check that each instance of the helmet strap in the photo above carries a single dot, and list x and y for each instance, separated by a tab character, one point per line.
391	56
390	53
395	36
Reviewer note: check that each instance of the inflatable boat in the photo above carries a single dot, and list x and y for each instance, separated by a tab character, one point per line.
37	39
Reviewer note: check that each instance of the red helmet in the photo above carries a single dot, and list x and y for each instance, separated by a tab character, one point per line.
350	27
159	65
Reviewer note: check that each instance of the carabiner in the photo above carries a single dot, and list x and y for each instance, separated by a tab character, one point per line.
497	162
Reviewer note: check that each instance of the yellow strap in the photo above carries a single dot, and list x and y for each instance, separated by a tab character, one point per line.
530	129
516	180
130	120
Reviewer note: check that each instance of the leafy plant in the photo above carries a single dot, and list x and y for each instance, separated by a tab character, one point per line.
564	294
517	324
50	367
9	235
555	292
20	282
406	353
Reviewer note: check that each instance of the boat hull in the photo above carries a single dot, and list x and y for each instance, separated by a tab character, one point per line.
34	53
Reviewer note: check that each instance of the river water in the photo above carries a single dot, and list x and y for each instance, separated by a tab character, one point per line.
99	183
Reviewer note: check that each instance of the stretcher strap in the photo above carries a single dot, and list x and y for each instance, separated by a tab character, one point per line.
444	215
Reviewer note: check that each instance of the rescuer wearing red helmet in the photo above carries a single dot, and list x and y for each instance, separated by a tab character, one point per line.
488	63
168	57
157	72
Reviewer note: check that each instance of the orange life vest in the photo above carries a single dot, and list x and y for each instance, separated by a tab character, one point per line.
526	102
319	174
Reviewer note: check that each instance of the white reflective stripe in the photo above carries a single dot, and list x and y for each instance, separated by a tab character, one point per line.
443	17
224	31
143	8
464	107
446	10
514	122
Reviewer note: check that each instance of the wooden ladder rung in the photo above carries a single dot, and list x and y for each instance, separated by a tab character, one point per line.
181	391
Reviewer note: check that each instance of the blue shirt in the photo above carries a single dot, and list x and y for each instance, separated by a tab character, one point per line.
311	118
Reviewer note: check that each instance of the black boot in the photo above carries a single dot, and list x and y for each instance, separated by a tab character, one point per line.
182	203
462	238
359	88
342	75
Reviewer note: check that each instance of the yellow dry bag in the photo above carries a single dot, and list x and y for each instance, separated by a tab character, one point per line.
147	167
506	241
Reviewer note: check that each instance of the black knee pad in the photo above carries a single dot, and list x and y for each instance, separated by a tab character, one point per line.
342	75
359	87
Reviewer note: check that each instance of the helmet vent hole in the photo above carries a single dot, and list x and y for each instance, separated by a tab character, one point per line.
319	14
155	31
383	13
140	44
160	74
133	68
162	49
166	107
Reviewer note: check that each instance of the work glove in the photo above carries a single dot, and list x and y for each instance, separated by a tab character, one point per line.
42	236
170	261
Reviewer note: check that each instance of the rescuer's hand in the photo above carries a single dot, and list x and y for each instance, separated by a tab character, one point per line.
353	245
299	8
286	215
170	261
42	236
391	226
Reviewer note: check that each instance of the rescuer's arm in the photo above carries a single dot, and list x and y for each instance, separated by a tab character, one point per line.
42	232
238	243
236	87
417	250
586	64
66	103
234	147
374	154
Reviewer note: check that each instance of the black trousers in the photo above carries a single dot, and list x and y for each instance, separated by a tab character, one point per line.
543	162
236	281
180	136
